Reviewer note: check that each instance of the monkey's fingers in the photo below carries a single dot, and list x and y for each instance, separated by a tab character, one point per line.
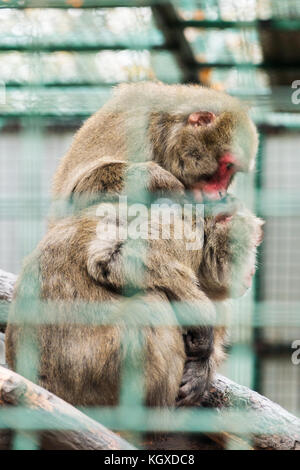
188	375
194	382
191	393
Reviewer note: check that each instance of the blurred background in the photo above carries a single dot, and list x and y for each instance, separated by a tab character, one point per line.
59	60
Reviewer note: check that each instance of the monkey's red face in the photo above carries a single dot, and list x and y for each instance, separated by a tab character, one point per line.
202	149
213	187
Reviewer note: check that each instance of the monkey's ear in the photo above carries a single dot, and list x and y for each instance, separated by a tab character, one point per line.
201	118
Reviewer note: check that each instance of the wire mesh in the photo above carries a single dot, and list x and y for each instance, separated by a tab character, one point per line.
65	69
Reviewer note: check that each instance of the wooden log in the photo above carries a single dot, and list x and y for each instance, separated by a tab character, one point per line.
55	413
2	349
7	282
225	393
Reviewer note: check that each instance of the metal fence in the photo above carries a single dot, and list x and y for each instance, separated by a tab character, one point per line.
56	73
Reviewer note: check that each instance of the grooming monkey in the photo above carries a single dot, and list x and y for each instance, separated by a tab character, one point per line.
73	265
179	136
162	138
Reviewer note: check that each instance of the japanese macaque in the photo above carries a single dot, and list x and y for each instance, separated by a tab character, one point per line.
165	139
90	328
200	136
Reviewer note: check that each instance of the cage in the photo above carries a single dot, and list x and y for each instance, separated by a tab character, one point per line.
60	62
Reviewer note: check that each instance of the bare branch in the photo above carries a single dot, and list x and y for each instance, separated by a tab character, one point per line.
54	413
7	282
225	393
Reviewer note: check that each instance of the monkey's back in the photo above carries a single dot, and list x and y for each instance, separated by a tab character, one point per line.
84	325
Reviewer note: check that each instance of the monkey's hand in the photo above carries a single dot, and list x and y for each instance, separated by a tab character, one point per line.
195	382
197	369
224	209
229	253
198	342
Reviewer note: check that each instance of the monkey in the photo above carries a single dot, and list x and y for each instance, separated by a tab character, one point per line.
82	351
159	138
179	136
175	137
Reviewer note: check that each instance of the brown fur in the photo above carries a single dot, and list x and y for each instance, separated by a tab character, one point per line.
71	266
147	122
140	139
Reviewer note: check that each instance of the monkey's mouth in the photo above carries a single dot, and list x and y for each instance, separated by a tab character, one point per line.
214	187
207	191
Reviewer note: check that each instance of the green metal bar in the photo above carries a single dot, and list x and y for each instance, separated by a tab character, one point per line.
72	122
25	440
250	65
270	203
168	21
265	349
273	24
12	86
21	4
217	24
142	419
134	46
80	101
275	314
154	48
257	334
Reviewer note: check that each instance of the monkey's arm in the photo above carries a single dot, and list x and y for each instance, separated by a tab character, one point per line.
229	253
116	266
128	266
104	178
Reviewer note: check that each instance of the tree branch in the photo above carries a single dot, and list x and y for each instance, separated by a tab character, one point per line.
54	413
7	282
225	393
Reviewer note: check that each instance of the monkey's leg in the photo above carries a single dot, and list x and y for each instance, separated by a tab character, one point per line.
153	346
113	263
191	305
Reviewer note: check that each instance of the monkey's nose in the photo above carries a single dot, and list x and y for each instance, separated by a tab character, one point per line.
201	118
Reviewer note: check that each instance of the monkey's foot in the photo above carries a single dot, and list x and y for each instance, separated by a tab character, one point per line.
198	342
194	383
